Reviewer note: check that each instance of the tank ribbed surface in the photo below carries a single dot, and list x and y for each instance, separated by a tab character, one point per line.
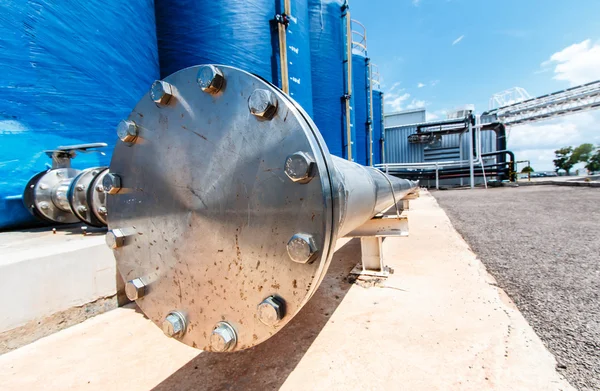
327	57
361	95
71	72
240	33
377	125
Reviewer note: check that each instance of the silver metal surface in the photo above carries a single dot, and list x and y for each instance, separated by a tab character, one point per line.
223	338
135	289
83	198
161	92
46	195
127	131
174	325
97	197
209	211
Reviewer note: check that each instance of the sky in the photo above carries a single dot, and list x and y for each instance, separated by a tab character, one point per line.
443	54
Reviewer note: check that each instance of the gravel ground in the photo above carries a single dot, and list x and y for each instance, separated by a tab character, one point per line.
542	244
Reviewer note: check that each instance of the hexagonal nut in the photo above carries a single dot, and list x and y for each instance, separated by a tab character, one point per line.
127	131
135	289
102	210
271	310
115	238
302	248
300	167
223	337
263	103
111	183
210	79
174	325
161	92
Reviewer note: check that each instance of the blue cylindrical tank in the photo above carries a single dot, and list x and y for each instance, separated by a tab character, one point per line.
377	126
327	47
71	71
361	97
240	33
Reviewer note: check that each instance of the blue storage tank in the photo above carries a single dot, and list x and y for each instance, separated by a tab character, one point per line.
327	47
240	33
377	126
361	96
71	71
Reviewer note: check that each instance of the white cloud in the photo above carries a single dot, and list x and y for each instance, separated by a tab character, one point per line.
393	87
396	101
416	104
420	85
537	142
457	40
434	83
576	64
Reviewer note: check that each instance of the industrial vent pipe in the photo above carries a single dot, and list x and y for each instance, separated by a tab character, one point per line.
227	205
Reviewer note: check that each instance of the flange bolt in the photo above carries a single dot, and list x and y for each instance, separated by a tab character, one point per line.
111	183
210	79
271	310
263	104
174	325
127	131
135	289
161	92
115	238
300	167
223	337
301	248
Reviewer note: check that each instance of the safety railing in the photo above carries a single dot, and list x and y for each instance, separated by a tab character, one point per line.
359	38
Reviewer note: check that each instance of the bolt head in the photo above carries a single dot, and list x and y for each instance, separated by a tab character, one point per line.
161	92
102	210
127	131
271	310
80	188
44	205
43	186
223	337
135	289
302	248
100	188
300	167
263	103
174	325
82	209
111	183
115	238
210	79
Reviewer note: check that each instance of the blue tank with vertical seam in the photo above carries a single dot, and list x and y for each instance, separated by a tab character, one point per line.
377	126
71	70
240	33
360	94
327	40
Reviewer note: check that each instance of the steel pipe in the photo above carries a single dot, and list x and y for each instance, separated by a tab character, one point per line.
229	206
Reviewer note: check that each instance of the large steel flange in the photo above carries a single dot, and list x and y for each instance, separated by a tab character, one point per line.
46	195
221	207
87	198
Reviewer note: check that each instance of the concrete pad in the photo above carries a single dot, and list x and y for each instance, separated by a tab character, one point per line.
438	323
42	273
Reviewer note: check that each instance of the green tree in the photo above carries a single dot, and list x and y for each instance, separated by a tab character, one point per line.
593	164
582	153
527	169
563	159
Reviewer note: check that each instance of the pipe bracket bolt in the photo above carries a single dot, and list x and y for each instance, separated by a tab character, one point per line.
161	92
210	79
127	131
223	338
111	183
300	167
302	248
174	325
115	238
135	289
271	310
263	104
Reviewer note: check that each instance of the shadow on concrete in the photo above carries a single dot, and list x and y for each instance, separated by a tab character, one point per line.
267	366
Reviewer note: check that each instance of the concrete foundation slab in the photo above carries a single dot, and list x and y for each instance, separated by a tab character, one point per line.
438	323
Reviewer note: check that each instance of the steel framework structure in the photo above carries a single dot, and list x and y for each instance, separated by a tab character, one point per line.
570	101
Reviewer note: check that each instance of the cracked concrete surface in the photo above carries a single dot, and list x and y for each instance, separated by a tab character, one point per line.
439	323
